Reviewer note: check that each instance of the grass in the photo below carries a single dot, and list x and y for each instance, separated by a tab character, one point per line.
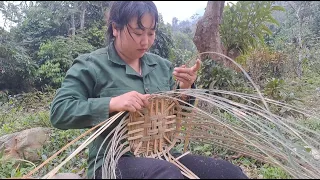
33	111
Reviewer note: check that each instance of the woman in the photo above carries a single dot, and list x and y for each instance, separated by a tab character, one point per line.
121	77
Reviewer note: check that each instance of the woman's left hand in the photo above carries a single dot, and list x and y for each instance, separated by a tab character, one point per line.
186	76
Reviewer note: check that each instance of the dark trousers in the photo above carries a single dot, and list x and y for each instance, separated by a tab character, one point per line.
149	168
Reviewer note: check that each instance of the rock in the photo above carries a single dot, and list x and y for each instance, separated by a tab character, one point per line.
24	144
66	176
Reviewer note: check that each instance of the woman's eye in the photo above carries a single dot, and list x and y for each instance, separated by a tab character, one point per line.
151	34
138	34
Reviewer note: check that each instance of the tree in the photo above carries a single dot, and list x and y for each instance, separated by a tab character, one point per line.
207	35
301	10
175	22
16	67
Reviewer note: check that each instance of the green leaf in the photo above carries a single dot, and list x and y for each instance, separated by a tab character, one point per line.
278	8
266	29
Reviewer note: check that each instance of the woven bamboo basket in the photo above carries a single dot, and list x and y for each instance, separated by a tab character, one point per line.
155	128
154	131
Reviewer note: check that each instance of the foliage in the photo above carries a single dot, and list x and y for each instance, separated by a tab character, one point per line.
179	56
96	36
16	67
244	24
58	139
274	89
262	63
57	56
39	26
25	111
315	26
270	172
215	76
11	168
163	42
32	110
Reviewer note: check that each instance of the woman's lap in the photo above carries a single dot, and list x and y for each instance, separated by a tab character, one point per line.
149	168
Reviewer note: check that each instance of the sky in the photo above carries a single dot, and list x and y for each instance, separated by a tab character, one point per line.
181	9
169	9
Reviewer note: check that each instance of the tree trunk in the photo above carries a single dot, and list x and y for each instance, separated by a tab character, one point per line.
207	36
73	26
82	15
299	70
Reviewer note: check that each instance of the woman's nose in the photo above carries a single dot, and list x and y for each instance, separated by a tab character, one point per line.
144	40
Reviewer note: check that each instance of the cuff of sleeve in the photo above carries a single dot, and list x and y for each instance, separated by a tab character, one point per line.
193	86
192	99
99	109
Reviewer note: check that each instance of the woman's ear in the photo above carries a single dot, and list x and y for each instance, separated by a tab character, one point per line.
114	30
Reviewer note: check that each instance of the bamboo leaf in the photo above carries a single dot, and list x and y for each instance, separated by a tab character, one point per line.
278	8
266	29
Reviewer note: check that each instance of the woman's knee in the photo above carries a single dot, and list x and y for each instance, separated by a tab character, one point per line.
210	168
233	171
164	169
147	168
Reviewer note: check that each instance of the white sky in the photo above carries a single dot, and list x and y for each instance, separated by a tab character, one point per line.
169	9
180	9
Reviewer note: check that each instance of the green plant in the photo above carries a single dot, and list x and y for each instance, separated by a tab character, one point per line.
244	24
274	89
16	67
96	35
163	42
215	76
271	172
262	63
56	58
13	168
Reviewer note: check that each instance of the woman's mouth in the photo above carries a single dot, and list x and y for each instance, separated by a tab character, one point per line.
142	50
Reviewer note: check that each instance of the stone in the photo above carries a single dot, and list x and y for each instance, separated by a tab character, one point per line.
66	176
24	144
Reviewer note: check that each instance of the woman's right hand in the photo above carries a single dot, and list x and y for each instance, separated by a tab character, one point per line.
131	101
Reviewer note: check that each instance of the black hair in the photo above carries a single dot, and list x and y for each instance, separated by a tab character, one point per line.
122	12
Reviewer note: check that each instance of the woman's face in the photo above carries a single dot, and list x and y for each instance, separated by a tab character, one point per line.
132	41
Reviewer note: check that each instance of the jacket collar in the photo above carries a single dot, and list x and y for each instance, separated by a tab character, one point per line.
147	63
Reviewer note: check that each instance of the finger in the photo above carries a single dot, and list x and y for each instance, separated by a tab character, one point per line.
136	105
138	99
183	81
185	76
145	99
184	70
183	66
197	66
131	108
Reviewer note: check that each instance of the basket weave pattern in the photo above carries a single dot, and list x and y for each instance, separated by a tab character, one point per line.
155	128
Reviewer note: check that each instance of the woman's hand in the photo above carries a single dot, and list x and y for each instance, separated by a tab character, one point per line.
186	76
131	101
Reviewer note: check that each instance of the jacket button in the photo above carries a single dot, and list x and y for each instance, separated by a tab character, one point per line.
147	90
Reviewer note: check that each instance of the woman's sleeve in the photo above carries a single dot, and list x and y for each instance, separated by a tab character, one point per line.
74	106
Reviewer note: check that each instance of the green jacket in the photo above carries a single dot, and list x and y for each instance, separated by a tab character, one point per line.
84	97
